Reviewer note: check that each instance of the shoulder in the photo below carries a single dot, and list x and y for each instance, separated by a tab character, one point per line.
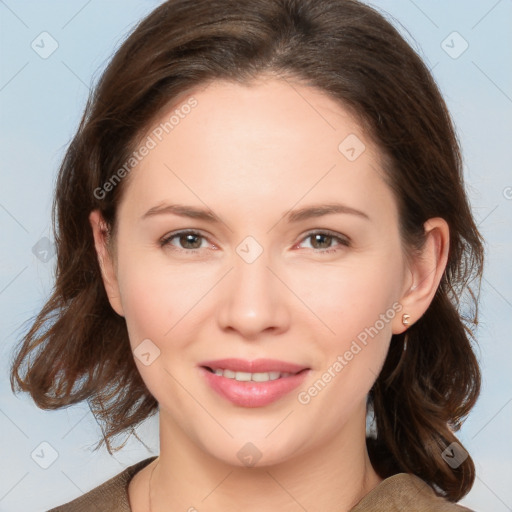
405	491
111	495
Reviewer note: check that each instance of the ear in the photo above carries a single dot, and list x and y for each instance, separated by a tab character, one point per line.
108	273
426	271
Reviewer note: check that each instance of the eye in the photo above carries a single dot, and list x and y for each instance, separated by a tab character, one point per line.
321	241
189	241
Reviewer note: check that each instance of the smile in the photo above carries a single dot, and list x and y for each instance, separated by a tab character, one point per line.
252	389
247	376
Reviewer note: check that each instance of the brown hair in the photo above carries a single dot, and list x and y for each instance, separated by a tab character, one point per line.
79	345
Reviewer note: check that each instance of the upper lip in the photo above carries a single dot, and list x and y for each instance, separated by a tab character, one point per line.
256	366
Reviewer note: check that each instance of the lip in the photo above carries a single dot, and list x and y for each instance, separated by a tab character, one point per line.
250	393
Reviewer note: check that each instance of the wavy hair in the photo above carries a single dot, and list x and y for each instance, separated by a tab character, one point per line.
77	347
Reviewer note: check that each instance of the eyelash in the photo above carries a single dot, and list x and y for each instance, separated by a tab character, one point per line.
166	241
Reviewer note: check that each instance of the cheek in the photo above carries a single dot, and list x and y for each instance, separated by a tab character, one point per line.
359	309
348	298
154	301
156	291
356	306
151	298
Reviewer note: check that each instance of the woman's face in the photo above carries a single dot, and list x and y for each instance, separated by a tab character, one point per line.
253	281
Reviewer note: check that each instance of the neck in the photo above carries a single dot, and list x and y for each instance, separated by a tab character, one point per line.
330	477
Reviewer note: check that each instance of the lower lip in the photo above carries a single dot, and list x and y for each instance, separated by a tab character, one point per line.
253	394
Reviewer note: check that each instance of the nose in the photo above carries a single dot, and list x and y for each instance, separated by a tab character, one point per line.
253	300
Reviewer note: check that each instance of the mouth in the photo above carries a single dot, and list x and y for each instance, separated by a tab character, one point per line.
252	383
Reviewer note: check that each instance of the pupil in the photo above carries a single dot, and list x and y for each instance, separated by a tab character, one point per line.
186	239
320	236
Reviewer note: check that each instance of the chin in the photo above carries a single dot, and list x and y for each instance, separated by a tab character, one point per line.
255	451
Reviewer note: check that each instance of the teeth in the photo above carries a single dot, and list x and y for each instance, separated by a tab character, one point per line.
255	377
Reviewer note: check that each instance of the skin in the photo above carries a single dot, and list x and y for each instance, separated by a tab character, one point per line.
250	153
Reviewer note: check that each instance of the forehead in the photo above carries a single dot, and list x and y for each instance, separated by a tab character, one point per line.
268	142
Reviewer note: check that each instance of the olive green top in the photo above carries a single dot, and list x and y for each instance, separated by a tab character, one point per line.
398	493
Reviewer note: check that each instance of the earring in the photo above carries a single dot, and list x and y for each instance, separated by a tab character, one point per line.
405	321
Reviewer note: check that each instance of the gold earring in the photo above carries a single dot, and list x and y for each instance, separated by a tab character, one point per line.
405	319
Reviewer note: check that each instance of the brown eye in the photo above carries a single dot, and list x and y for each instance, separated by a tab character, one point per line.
186	240
322	241
190	241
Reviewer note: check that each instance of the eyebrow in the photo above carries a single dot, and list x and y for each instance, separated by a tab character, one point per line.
319	210
298	215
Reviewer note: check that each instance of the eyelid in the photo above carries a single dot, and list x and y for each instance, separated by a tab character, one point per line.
342	240
329	232
165	240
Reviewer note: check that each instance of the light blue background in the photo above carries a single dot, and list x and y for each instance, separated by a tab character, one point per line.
41	103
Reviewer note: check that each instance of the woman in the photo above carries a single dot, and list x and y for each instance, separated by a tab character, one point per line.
263	234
